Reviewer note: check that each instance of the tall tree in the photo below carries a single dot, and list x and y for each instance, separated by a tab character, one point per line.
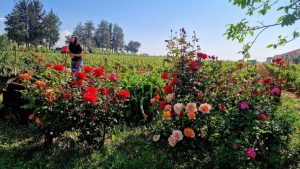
25	23
133	46
79	31
102	35
36	14
110	45
85	34
117	38
89	30
289	14
17	25
51	28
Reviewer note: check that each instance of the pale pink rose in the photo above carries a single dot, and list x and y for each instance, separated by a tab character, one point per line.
191	108
172	141
152	101
156	138
205	108
177	134
170	97
178	107
168	108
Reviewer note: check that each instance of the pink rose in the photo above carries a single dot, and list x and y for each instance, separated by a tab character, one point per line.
251	153
172	141
191	108
178	107
170	97
177	134
244	105
168	108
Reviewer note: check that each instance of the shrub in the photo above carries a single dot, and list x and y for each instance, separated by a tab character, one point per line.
217	119
87	102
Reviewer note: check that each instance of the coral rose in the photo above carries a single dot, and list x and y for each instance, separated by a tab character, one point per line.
166	115
191	116
189	132
205	108
191	108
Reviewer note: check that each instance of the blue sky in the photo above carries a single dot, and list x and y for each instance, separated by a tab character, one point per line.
150	22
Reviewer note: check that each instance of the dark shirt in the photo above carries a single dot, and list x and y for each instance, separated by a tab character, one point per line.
75	49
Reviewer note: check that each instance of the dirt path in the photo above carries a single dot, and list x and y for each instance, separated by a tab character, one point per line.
263	70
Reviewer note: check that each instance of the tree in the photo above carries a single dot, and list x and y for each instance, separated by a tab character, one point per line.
117	38
36	14
17	23
102	35
85	34
89	30
133	46
79	31
290	14
51	27
27	23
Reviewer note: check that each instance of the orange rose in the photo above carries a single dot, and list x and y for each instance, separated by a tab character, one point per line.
48	92
205	108
191	116
31	117
51	98
189	132
40	84
167	114
25	76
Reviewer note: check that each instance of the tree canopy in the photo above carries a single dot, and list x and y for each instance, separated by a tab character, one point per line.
30	24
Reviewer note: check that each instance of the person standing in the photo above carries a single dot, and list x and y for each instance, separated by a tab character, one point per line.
76	54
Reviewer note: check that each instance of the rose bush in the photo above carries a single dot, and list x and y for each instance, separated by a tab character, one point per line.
220	118
88	102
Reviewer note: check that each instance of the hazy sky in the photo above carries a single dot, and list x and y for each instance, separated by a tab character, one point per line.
150	22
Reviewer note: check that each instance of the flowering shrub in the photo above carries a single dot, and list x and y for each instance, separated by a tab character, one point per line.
89	104
215	117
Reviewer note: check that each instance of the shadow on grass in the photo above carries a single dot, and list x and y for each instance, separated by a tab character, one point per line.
127	149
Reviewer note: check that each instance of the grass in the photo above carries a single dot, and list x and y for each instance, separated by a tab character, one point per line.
130	148
126	148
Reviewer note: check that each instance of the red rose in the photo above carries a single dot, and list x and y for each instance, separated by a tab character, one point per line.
113	77
90	97
168	89
88	69
165	76
65	49
80	75
99	72
103	91
262	117
163	104
91	90
194	65
66	96
58	67
201	55
78	83
124	94
48	65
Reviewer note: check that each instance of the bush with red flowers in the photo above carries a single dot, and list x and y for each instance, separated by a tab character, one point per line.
89	103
